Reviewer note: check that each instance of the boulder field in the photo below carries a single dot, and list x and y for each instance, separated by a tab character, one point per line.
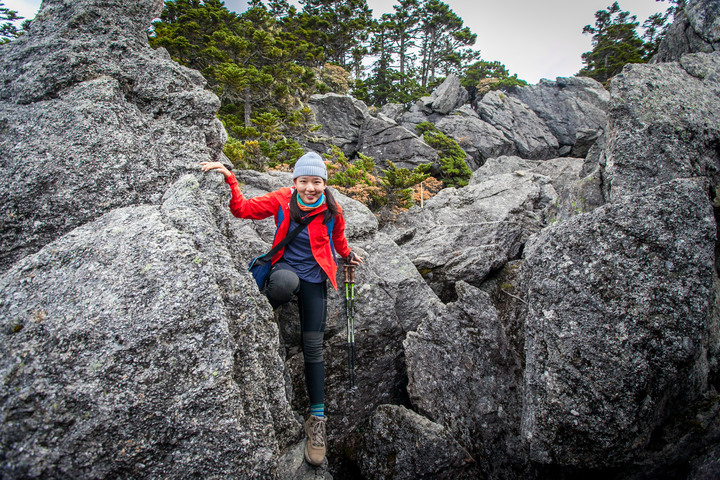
556	318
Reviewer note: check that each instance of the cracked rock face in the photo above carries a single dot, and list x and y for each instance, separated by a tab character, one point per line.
385	140
468	233
478	138
532	138
448	96
464	374
131	345
664	123
400	444
92	119
604	367
345	122
341	119
574	109
696	29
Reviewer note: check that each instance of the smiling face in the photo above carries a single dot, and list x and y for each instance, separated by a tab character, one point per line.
309	188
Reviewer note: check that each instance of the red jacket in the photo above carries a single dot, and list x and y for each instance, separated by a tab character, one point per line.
277	204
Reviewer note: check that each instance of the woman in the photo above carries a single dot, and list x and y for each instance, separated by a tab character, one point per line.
302	267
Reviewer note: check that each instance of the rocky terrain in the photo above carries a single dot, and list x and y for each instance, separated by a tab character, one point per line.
556	318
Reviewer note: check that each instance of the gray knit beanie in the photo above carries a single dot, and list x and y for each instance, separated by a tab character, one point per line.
310	164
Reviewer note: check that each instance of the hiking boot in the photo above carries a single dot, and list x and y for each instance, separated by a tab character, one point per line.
315	446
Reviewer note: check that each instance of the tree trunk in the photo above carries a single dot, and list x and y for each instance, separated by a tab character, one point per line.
248	108
402	58
425	60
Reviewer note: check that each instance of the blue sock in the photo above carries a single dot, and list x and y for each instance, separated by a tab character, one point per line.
318	410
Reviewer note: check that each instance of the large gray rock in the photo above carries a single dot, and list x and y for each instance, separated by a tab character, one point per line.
70	42
466	234
131	346
464	374
93	119
696	29
501	165
681	452
341	119
448	96
392	110
618	301
574	108
707	467
399	444
564	174
384	140
594	191
664	124
570	188
292	466
412	119
532	138
479	139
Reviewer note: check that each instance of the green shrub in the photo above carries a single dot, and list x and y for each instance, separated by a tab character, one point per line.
387	192
455	171
356	180
266	142
245	155
285	151
332	78
399	183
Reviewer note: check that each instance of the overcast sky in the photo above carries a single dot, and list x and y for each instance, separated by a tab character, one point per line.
533	38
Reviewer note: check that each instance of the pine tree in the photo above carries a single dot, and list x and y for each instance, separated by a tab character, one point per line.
340	27
257	68
445	41
248	59
405	27
483	76
386	83
8	30
191	29
280	9
615	43
656	26
381	85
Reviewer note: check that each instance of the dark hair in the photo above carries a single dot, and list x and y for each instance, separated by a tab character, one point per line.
296	214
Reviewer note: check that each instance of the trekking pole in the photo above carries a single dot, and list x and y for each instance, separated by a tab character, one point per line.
349	271
352	326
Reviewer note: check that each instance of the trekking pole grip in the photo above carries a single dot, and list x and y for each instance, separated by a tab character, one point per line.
350	272
347	276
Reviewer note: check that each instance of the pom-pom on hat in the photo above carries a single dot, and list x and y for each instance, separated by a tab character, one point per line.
310	164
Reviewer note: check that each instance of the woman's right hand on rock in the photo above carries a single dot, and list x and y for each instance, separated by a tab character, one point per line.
207	166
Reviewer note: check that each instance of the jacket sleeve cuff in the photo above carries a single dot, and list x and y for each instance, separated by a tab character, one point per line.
231	180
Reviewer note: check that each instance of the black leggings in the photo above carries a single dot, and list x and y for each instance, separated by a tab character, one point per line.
282	284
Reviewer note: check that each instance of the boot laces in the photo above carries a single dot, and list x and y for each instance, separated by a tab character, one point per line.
318	433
